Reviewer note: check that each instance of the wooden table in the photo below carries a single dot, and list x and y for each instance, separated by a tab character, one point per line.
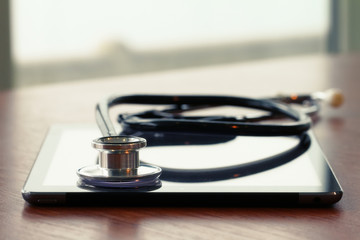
26	114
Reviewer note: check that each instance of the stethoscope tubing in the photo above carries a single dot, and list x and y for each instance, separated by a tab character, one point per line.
300	124
240	170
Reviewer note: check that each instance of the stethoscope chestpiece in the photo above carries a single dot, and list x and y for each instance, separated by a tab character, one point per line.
119	164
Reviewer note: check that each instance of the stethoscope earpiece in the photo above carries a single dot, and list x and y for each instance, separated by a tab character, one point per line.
334	97
119	164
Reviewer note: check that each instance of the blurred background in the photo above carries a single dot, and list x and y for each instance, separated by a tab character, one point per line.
48	41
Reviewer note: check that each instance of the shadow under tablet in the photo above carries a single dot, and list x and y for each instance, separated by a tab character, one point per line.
198	170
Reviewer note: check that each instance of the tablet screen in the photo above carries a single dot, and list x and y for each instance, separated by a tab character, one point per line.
73	151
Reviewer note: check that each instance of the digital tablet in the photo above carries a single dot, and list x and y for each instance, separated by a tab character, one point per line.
198	170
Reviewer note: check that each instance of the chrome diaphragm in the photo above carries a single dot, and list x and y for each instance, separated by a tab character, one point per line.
119	164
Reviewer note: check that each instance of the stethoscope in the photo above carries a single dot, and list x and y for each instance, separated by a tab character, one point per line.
119	165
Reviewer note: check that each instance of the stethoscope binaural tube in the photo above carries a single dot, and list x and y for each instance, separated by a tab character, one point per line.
300	124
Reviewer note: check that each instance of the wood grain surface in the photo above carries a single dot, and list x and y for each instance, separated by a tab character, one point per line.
26	114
